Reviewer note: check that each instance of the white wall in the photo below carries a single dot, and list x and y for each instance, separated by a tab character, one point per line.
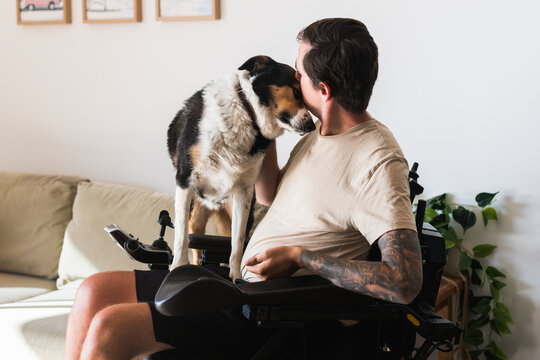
459	85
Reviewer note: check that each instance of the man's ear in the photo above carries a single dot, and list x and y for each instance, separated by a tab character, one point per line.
325	90
256	64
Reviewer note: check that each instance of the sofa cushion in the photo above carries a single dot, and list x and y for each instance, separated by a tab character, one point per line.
35	328
89	249
14	287
34	213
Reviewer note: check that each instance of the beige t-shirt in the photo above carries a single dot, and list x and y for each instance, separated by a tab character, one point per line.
338	195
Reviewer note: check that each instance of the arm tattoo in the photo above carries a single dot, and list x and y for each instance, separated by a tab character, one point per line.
397	277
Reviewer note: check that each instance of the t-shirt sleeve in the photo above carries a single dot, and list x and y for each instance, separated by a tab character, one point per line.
383	203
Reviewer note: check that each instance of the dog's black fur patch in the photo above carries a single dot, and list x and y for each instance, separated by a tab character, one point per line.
182	134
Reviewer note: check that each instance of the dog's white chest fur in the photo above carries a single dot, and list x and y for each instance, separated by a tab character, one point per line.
226	134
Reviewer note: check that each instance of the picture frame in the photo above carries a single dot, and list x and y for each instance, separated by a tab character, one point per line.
42	12
187	10
111	11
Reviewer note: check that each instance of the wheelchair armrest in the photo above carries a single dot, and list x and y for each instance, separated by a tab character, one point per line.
190	289
209	242
214	249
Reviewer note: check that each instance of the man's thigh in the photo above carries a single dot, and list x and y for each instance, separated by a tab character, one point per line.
125	330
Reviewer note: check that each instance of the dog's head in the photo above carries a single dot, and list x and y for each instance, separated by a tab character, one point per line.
278	89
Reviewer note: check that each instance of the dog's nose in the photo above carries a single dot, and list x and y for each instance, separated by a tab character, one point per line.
309	125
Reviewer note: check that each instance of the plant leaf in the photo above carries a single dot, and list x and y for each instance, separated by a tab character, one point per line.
464	217
493	272
502	327
483	199
502	312
475	279
440	222
429	215
489	213
494	292
481	251
464	261
498	284
495	351
483	276
483	307
437	202
474	337
482	300
475	354
479	322
450	237
475	264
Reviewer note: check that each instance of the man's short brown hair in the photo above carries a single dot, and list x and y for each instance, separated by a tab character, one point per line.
344	56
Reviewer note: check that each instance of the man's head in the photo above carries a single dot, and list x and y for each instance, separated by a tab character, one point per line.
341	54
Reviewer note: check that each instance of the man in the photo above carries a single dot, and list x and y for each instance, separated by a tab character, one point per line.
344	188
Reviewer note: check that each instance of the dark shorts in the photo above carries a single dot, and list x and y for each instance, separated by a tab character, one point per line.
226	333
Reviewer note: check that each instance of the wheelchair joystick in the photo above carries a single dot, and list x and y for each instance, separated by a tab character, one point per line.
157	256
164	220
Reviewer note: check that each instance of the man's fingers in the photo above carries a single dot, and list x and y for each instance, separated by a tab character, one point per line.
251	261
256	259
255	269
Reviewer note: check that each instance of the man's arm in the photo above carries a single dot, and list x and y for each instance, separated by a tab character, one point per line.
269	177
397	277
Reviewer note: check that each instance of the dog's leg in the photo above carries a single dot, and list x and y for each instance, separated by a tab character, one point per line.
223	222
181	225
197	223
241	205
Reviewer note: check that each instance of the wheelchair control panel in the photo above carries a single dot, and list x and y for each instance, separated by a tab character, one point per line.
157	256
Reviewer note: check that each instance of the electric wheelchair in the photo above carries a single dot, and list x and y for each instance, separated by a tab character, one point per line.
286	305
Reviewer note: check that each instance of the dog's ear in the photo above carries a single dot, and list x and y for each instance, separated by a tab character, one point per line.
257	64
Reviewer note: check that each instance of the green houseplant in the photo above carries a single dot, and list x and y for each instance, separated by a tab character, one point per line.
483	315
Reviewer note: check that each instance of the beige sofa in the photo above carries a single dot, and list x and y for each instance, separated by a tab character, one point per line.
51	238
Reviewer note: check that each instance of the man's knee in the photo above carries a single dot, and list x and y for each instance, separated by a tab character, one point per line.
107	288
124	330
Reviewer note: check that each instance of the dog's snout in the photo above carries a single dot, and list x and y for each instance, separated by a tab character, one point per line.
309	125
285	117
303	123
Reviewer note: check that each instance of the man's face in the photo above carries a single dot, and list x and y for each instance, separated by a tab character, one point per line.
309	92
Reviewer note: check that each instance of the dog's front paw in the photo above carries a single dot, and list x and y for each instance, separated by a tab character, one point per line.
235	274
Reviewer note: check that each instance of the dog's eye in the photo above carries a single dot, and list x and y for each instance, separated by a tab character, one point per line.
296	93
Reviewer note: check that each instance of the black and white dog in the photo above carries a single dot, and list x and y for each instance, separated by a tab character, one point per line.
217	143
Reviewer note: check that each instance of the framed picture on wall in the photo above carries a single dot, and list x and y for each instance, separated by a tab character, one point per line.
37	12
111	11
179	10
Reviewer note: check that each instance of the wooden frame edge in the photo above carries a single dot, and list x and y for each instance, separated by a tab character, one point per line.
66	9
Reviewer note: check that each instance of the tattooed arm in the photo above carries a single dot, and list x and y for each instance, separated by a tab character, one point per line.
397	277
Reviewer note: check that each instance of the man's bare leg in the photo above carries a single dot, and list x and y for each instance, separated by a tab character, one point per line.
122	331
95	294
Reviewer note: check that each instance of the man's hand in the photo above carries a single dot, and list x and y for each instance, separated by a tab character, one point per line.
280	261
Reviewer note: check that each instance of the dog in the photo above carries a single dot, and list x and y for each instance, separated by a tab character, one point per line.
218	139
